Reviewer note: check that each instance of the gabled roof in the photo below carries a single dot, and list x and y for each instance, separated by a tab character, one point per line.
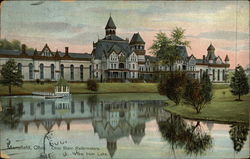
110	24
107	46
137	39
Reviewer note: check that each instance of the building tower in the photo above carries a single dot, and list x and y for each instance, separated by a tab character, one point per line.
137	44
110	27
210	52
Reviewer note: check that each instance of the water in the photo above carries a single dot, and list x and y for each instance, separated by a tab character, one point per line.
119	126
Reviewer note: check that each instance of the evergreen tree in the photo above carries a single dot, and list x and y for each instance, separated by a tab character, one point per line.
10	76
206	89
239	83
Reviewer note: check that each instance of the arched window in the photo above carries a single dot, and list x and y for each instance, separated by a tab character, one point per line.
200	73
81	72
218	75
62	70
90	71
19	67
30	71
52	71
72	72
41	71
223	75
213	74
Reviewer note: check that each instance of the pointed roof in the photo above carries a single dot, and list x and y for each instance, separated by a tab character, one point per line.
211	47
227	58
137	39
110	24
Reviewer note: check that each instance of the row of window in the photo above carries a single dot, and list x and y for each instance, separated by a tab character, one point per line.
218	74
52	71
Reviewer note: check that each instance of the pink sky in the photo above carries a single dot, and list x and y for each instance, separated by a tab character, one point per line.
77	24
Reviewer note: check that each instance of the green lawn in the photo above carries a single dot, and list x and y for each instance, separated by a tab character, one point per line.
28	88
222	108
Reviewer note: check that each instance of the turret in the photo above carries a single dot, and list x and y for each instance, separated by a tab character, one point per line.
137	43
66	52
210	59
226	59
110	27
210	52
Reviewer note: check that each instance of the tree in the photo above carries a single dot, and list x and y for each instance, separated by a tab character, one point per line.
173	86
239	82
92	85
206	85
197	94
166	49
10	75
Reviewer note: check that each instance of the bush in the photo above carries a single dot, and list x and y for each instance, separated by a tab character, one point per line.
38	81
47	80
92	85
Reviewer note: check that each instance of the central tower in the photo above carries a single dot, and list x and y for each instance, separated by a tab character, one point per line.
110	27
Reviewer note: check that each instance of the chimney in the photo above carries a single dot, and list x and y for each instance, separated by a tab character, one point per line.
23	49
66	51
203	59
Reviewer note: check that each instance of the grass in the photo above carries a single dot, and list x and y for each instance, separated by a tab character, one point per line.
223	108
78	88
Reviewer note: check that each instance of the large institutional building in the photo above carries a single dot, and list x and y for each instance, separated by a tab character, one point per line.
112	59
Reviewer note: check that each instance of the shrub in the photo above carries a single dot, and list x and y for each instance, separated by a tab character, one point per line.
92	85
47	80
38	81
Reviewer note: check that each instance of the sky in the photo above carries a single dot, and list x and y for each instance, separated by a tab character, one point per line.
77	24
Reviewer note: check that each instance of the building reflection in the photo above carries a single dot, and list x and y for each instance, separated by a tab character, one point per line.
110	120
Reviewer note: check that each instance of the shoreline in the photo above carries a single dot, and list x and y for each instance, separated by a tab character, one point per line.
219	121
30	94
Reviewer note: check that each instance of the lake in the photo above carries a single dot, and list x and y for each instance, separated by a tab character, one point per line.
119	126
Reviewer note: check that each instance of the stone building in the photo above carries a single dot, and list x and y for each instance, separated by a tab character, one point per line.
112	59
48	65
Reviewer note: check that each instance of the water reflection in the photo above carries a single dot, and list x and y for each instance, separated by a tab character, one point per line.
238	134
112	120
179	134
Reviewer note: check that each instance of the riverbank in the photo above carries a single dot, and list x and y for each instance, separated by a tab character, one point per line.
223	108
81	88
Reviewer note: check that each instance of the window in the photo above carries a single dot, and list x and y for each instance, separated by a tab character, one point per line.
114	66
133	66
19	67
82	106
97	66
72	107
218	75
223	75
200	73
81	72
52	71
62	70
72	72
90	70
30	71
213	74
41	71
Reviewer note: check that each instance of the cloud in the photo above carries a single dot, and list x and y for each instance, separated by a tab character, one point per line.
239	48
225	35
